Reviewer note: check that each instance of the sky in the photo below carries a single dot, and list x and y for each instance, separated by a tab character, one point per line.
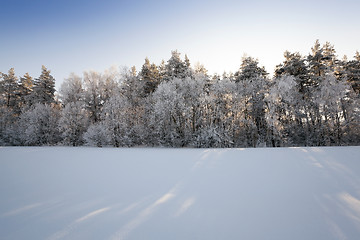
80	35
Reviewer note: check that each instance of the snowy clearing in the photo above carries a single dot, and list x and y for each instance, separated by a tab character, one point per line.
92	193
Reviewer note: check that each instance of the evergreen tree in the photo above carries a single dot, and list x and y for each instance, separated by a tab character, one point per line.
26	88
162	71
175	67
352	72
10	91
329	57
249	70
317	63
150	77
44	88
294	65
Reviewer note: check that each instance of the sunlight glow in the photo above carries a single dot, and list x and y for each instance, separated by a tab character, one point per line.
185	206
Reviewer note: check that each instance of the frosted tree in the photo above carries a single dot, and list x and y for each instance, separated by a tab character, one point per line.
71	90
167	121
98	89
116	118
109	83
97	135
131	88
176	111
329	96
39	125
73	123
294	65
252	84
219	110
74	119
283	115
93	92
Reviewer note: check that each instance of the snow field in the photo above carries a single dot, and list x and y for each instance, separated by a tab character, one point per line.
92	193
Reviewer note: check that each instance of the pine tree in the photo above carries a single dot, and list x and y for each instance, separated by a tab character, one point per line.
10	91
150	77
294	65
175	67
44	88
162	71
249	70
352	71
329	56
26	88
317	63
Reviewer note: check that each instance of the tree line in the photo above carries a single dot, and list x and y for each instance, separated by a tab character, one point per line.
311	100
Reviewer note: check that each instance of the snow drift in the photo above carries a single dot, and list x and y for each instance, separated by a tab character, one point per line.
91	193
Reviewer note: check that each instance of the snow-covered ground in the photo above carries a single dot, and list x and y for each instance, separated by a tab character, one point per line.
92	193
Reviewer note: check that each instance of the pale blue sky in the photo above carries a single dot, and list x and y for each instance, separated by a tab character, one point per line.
73	36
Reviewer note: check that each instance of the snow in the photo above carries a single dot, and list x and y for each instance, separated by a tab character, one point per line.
108	193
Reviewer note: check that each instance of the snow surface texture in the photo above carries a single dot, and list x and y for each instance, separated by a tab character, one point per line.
92	193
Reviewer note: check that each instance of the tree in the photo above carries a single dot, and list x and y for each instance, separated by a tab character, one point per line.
44	88
10	90
25	90
175	115
9	107
175	67
219	125
93	99
73	123
352	72
330	97
71	90
284	115
150	76
136	119
329	56
294	65
131	87
39	125
249	69
317	63
116	117
253	85
97	135
98	89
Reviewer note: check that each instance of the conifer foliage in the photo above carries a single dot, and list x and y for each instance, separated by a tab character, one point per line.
311	100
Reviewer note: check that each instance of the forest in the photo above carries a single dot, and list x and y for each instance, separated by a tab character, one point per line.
311	100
